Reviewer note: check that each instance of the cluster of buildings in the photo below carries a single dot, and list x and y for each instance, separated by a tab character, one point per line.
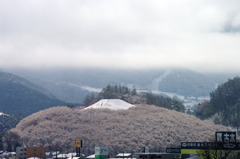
224	142
40	153
36	153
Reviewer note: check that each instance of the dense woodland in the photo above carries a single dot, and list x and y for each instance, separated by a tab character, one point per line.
224	104
8	121
121	131
131	96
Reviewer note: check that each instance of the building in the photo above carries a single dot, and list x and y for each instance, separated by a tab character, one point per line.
21	153
156	155
35	152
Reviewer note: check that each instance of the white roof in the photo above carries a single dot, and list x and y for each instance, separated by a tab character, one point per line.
62	155
73	157
72	154
9	153
113	104
123	154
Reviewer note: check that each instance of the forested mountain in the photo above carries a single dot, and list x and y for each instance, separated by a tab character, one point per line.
131	96
225	101
8	122
18	95
72	85
119	130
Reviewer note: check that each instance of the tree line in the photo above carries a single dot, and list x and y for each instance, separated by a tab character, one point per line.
224	103
133	97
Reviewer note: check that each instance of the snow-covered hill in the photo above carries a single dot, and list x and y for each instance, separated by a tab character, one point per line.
113	104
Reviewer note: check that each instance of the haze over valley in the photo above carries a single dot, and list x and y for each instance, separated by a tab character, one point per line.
118	74
72	85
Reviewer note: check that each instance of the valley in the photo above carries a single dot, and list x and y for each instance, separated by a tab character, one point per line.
72	85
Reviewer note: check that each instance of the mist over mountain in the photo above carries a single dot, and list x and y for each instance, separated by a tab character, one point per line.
72	85
20	96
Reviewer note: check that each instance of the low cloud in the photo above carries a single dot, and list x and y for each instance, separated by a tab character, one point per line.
201	35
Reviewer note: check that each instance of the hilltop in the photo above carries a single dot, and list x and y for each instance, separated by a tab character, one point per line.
119	130
131	96
19	96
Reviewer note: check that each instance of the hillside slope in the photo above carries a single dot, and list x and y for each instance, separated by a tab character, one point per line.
122	130
8	122
21	96
224	104
70	84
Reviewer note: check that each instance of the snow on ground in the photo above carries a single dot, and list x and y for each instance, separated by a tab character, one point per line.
113	104
2	113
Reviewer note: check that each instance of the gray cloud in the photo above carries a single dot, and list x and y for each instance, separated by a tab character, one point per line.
124	34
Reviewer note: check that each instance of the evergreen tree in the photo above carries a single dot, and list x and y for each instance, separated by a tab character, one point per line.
11	141
225	101
164	102
124	93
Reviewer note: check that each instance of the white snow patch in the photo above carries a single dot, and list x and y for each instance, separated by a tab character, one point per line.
91	89
168	94
156	81
87	88
91	156
3	113
113	104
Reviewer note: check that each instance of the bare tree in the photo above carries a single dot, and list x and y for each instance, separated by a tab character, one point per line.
137	127
219	152
11	140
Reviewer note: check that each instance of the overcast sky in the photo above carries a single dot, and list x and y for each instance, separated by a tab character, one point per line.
202	35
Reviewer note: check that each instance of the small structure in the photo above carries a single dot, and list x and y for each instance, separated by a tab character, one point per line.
156	155
21	153
35	152
62	156
33	158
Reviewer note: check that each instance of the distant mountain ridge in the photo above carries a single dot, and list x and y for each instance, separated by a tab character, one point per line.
188	83
72	85
18	95
7	77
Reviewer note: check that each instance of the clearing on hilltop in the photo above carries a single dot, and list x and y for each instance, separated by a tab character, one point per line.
113	104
